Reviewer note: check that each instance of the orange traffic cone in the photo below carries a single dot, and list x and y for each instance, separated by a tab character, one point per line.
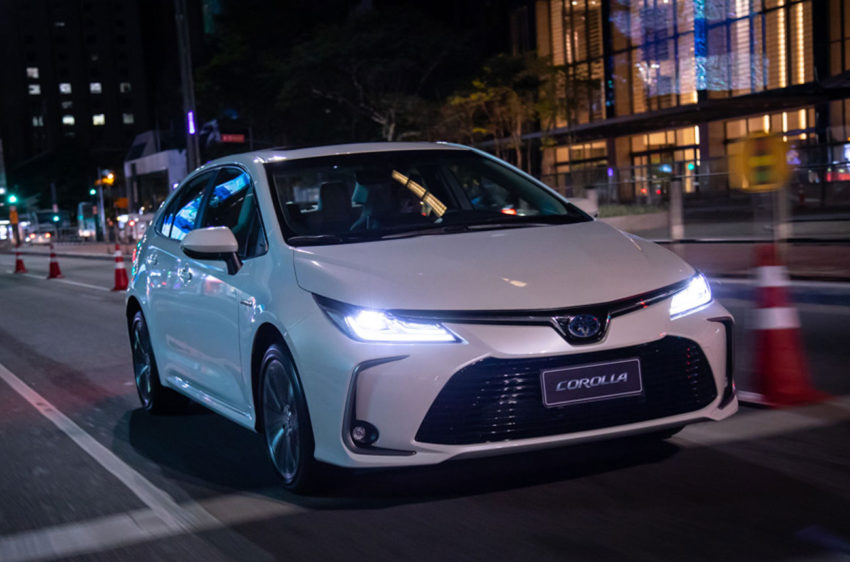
19	262
780	364
120	271
53	272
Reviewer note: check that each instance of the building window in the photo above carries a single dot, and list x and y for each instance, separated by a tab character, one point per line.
68	120
666	52
839	37
577	48
128	118
34	89
95	87
38	121
98	119
65	88
67	104
124	87
32	72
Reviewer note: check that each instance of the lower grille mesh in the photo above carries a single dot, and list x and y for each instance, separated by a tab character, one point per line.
499	399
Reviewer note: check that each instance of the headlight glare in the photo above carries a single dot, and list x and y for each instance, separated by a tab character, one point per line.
377	326
372	325
695	295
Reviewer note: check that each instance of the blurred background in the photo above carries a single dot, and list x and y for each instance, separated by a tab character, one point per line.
640	111
106	104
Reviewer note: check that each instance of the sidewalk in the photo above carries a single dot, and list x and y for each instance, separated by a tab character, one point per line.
806	261
97	250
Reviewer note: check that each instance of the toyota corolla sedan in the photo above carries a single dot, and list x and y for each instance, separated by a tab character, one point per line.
397	304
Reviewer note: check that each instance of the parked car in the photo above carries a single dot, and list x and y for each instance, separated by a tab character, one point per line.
396	304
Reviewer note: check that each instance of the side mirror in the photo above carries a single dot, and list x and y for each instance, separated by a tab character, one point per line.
213	243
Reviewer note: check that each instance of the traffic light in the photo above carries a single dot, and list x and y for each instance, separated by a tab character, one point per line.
12	199
92	192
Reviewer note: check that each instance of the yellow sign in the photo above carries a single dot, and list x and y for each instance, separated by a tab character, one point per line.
763	163
121	202
13	215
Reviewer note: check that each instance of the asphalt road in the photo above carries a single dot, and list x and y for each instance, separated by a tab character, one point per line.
84	474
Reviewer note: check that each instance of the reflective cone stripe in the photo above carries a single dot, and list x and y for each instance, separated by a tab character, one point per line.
19	263
772	276
776	318
53	272
780	368
121	280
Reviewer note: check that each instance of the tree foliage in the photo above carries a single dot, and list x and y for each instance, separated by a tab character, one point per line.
380	74
510	97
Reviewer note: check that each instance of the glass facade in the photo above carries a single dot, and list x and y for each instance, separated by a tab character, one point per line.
671	72
577	46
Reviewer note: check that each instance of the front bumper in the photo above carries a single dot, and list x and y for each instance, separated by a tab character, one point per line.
434	402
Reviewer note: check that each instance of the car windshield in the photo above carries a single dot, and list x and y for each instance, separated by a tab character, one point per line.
383	195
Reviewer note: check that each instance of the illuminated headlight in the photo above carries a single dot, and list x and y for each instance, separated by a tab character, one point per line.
377	326
694	296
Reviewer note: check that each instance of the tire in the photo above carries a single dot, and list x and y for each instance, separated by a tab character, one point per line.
286	424
154	397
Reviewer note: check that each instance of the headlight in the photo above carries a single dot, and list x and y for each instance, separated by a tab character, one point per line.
376	326
694	296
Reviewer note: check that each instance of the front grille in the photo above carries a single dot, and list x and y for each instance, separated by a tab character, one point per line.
500	399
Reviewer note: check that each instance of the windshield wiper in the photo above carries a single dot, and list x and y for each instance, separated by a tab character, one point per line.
428	230
522	221
318	239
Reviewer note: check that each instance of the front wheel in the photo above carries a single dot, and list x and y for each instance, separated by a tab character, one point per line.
286	423
154	397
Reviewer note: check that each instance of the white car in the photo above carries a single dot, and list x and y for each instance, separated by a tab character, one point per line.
396	304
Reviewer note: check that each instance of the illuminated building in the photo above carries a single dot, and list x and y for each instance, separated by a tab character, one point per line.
657	88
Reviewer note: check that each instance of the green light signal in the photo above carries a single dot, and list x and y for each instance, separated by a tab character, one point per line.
13	199
92	191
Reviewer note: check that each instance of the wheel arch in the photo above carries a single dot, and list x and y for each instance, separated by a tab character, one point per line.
133	306
266	335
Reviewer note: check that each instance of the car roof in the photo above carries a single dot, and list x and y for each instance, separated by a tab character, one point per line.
280	154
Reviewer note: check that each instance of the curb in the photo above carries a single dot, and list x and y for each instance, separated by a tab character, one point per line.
81	255
806	292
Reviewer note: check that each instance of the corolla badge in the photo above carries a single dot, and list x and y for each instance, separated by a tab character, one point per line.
584	326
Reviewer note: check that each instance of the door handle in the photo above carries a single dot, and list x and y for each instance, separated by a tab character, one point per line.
184	274
249	302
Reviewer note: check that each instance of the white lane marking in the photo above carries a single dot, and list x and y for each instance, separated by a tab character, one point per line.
776	318
134	527
163	505
67	281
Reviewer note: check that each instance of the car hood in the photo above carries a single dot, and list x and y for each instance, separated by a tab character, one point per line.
512	269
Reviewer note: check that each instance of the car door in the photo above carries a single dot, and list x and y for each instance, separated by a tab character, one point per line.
164	260
211	296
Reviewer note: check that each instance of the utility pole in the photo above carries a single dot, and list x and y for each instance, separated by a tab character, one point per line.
184	50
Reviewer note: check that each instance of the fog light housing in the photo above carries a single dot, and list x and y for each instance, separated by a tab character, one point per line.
363	433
